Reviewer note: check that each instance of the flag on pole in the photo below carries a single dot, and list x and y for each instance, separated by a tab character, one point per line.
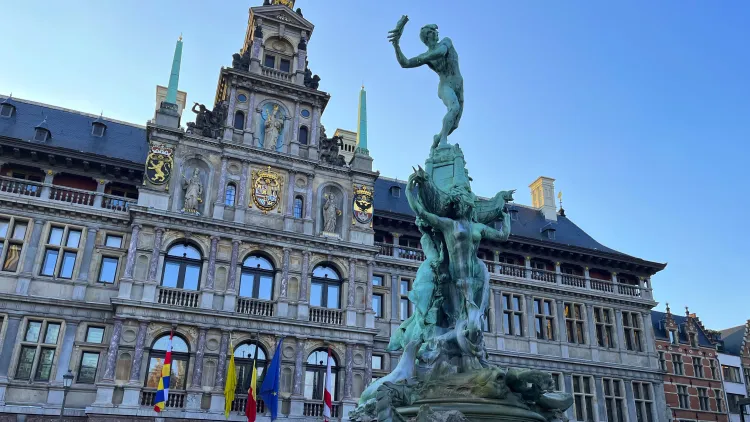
252	403
269	390
162	392
327	398
231	382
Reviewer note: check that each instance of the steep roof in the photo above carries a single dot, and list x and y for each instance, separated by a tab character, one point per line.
72	130
660	332
732	339
529	224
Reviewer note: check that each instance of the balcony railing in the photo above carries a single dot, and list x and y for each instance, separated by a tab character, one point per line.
386	249
573	280
179	297
412	254
327	316
20	187
255	307
543	275
629	290
315	409
604	286
72	196
511	270
240	402
175	400
276	74
117	203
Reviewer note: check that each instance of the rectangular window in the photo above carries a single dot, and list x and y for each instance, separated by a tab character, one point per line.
404	305
11	246
512	314
604	327
44	366
285	65
715	372
94	334
112	241
38	349
108	270
662	361
747	376
698	367
703	398
574	323
631	324
682	397
557	384
6	110
269	61
33	329
87	370
644	402
693	340
61	252
733	403
377	362
673	337
583	395
377	280
377	305
544	319
731	373
52	333
614	399
719	401
677	364
25	362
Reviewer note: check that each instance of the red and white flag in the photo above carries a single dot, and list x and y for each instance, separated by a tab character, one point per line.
327	395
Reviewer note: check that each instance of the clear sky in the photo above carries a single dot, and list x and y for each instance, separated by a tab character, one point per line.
639	109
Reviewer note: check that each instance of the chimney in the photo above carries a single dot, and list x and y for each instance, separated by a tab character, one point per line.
543	197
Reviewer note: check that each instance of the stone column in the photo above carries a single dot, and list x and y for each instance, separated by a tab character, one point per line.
314	134
531	324
395	297
395	243
230	297
114	345
351	313
29	251
290	194
648	332
221	192
368	365
587	277
562	332
207	292
241	205
568	381
130	260
250	118
599	400
298	399
620	330
153	264
527	264
349	362
309	199
199	352
49	176
369	312
6	352
221	367
229	124
294	142
140	341
282	308
303	307
558	273
88	252
630	401
593	341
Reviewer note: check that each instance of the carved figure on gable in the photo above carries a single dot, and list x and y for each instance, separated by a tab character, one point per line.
241	61
311	81
330	147
208	123
330	212
272	128
193	188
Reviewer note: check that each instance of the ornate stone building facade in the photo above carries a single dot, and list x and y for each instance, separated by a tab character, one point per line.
251	226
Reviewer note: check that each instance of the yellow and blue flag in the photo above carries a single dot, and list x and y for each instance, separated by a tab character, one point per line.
162	393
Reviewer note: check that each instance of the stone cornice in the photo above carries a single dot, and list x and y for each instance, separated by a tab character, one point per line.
274	86
54	308
56	209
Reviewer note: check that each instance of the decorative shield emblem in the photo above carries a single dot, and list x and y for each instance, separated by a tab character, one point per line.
362	207
159	164
266	189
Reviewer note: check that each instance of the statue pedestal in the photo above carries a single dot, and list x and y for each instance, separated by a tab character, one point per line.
474	410
447	168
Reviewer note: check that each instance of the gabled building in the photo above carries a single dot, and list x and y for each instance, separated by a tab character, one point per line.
734	356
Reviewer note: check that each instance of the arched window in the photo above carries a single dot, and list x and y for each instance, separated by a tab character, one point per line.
315	375
243	358
303	132
230	194
298	206
239	120
180	358
257	278
182	267
325	288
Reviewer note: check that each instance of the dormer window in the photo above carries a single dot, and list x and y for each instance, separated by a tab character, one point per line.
548	232
673	338
693	340
41	134
513	214
98	129
395	191
6	110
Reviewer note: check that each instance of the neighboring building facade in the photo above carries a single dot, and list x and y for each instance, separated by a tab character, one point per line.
245	228
692	371
734	356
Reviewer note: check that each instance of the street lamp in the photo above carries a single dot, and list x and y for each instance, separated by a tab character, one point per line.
67	381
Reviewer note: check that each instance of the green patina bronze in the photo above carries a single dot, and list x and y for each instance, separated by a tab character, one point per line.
444	370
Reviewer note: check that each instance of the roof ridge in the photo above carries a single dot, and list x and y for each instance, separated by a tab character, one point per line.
69	110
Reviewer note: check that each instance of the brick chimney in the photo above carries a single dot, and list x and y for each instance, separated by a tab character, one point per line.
543	197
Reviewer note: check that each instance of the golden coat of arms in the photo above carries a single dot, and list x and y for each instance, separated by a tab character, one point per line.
362	207
266	189
159	164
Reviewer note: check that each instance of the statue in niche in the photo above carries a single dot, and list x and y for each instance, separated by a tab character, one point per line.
330	147
193	188
330	212
208	123
272	128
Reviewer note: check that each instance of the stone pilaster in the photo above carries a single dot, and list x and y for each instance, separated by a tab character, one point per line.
309	197
303	309
153	263
562	331
290	195
241	205
369	312
395	243
32	247
599	400
591	330
88	252
199	352
219	204
298	399
531	324
229	124
6	352
207	292
132	248
283	292
221	367
66	350
351	313
140	341
230	297
250	118
630	401
294	142
349	364
368	365
114	345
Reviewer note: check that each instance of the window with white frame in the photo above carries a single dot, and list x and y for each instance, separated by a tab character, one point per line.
12	238
683	399
631	324
404	306
698	367
512	314
662	361
614	399
298	208
731	373
644	402
544	319
719	400
229	194
6	110
377	305
38	348
604	320
377	362
703	398
112	251
61	252
674	338
583	395
677	364
693	340
88	367
715	370
574	322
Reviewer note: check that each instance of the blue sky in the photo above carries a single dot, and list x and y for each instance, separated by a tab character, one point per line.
640	110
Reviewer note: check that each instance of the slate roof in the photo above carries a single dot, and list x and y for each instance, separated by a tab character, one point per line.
529	224
732	339
660	333
72	130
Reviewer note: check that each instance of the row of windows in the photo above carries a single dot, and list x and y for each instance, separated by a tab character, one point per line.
230	196
683	399
678	367
584	400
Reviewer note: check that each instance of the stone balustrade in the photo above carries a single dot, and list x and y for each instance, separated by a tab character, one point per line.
573	280
327	316
176	400
275	74
255	307
240	402
179	297
70	196
315	409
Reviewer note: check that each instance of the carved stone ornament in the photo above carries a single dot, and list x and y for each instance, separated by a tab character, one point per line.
193	188
362	206
330	213
266	188
159	164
